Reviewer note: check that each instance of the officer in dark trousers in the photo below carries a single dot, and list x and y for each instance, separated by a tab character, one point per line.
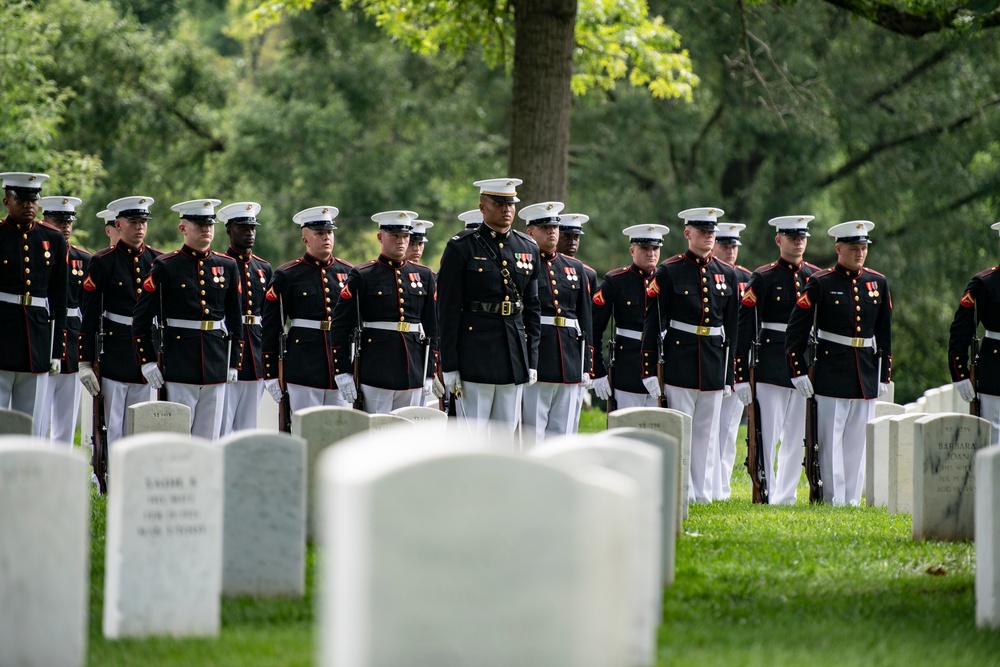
194	293
303	293
63	394
570	231
980	303
390	301
851	310
489	311
768	302
621	300
111	290
243	396
551	406
727	248
32	299
693	318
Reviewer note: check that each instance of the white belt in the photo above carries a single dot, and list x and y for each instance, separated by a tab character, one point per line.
401	327
24	300
774	326
995	335
73	312
118	319
198	325
628	333
322	325
251	319
845	340
696	330
561	322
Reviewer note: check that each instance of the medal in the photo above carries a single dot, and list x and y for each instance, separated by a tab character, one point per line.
47	254
412	284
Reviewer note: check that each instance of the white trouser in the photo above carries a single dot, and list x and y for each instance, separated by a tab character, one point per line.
548	409
581	402
62	396
301	396
703	407
493	408
782	417
207	403
841	429
117	397
989	408
383	401
729	424
25	392
242	401
629	399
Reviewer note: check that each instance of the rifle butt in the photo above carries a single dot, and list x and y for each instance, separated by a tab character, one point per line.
755	455
99	462
811	461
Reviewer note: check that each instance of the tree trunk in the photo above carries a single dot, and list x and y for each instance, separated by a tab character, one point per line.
541	98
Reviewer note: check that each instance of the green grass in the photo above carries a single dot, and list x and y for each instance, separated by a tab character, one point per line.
813	586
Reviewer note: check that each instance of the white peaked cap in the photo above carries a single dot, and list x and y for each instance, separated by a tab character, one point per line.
196	208
59	204
546	211
131	207
646	234
242	212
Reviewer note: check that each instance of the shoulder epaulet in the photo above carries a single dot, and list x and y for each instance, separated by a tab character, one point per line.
986	272
421	266
764	268
875	272
821	273
724	262
365	265
812	266
743	268
169	255
573	260
617	272
462	234
525	236
42	223
104	251
343	261
153	250
673	260
83	250
288	265
589	267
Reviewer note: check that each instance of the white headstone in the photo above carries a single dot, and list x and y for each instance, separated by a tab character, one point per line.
44	554
944	475
987	524
643	464
438	556
912	408
264	514
934	403
421	413
320	427
877	461
889	396
671	422
386	422
951	401
267	413
163	558
14	422
883	409
157	417
900	500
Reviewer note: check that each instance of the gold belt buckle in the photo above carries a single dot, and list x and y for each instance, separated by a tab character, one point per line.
703	331
857	342
26	300
506	308
324	325
250	319
559	321
207	325
403	327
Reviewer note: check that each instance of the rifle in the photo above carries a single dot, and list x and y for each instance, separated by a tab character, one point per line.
755	437
285	404
811	461
99	435
612	401
161	394
661	365
976	405
359	402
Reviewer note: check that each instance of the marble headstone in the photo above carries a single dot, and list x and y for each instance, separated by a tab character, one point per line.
163	557
421	413
14	422
264	514
877	460
883	409
987	524
44	554
889	396
437	555
944	475
157	417
385	422
900	500
935	404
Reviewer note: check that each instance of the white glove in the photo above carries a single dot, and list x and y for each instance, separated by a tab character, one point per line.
532	376
453	382
804	385
345	383
727	391
88	379
743	392
429	387
652	385
963	387
586	381
437	388
274	389
152	374
882	388
55	365
602	388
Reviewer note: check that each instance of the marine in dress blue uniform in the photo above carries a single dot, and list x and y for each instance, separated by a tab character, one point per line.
489	311
696	311
415	253
551	406
111	291
195	293
768	302
33	285
621	299
303	294
570	231
62	396
391	301
243	396
851	309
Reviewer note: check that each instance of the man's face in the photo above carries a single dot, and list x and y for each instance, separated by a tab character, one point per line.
196	235
727	253
569	243
242	237
20	211
393	245
319	242
791	248
546	237
852	256
701	242
499	215
415	250
645	257
62	224
113	234
132	230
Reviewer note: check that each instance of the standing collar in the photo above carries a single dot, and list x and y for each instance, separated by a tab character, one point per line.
700	261
487	231
844	271
391	263
785	264
196	254
319	264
